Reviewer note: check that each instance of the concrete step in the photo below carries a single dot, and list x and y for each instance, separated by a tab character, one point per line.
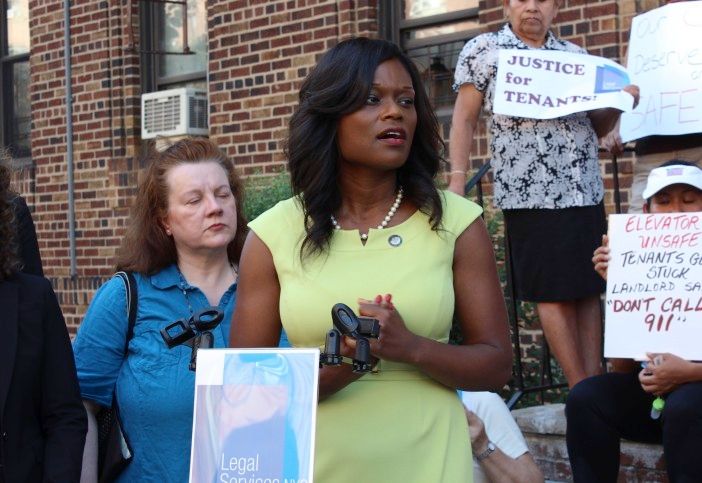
544	428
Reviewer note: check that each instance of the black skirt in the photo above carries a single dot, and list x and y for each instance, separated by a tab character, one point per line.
552	252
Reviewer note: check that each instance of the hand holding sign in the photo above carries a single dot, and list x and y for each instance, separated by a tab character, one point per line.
666	374
601	257
635	93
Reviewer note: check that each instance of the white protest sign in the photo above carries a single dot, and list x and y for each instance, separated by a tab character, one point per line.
665	61
545	84
254	416
654	286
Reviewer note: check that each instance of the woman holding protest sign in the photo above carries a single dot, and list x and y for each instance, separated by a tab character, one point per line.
548	184
622	404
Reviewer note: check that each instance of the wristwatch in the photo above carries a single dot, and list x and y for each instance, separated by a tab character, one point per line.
488	451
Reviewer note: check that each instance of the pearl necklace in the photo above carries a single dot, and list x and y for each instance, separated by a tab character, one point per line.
386	220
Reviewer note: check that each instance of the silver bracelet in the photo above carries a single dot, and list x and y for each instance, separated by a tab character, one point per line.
490	449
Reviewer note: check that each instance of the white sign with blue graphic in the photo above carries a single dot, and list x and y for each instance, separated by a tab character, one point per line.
254	416
545	84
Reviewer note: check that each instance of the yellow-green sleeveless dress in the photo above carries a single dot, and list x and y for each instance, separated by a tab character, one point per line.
397	425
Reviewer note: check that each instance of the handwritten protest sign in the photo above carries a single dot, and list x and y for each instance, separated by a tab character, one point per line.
665	61
654	286
545	84
254	416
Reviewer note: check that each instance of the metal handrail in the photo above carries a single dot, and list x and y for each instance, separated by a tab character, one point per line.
546	376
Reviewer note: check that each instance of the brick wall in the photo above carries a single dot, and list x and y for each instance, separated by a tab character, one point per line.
105	82
259	55
259	52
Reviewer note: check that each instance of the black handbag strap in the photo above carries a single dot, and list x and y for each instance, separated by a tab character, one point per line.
109	427
132	302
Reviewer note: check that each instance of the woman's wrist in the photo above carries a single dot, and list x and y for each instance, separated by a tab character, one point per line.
693	372
334	378
416	351
480	444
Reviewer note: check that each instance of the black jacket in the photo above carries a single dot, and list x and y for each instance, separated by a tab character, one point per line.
42	419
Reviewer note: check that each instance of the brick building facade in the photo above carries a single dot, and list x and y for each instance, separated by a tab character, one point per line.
257	53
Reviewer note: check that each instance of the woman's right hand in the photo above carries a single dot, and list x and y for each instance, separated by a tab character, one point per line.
348	349
334	378
601	257
396	341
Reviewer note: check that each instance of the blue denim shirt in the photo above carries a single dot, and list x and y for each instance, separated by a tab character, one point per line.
155	388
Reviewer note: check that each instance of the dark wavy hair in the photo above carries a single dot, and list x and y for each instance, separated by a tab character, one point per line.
146	248
338	85
9	250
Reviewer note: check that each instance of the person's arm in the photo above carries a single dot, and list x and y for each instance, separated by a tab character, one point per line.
63	416
484	360
465	119
604	119
665	372
256	319
498	466
612	141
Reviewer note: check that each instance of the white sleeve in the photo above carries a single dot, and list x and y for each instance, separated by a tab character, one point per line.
500	426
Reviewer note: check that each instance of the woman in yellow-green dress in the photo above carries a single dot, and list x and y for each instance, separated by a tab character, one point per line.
368	227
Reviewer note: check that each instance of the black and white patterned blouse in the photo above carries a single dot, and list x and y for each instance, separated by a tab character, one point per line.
548	163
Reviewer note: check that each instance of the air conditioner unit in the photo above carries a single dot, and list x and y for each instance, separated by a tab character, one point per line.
174	112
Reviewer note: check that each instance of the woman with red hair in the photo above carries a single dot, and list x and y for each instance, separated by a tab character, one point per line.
183	246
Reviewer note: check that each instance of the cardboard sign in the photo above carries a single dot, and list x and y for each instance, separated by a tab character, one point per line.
545	84
254	416
665	61
654	286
